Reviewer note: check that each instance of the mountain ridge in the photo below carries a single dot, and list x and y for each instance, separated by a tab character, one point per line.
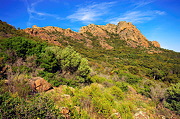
124	31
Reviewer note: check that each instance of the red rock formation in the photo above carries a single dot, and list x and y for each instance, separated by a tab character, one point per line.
155	43
39	84
123	31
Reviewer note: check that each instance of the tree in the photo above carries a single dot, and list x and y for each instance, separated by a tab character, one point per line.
156	73
84	69
49	59
65	61
70	59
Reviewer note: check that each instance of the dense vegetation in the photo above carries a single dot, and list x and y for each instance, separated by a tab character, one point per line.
91	83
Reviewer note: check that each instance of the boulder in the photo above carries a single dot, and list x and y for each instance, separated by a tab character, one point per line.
39	84
65	112
141	115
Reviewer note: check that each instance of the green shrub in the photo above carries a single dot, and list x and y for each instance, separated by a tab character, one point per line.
133	70
36	107
23	46
173	98
125	109
130	78
83	68
102	106
116	92
49	61
122	85
97	79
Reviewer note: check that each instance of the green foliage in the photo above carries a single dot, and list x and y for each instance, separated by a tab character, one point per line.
73	68
52	59
157	74
99	101
22	46
2	65
70	59
125	109
173	98
97	79
8	106
84	68
117	92
49	61
133	70
7	30
122	85
171	78
149	74
36	107
129	78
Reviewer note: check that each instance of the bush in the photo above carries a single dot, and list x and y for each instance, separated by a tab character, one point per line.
36	107
72	68
173	98
97	79
23	46
116	92
122	85
49	61
133	70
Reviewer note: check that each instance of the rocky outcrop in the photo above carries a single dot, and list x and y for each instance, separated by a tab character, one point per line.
141	115
124	30
87	35
155	43
43	34
52	34
95	30
35	26
65	112
39	84
127	31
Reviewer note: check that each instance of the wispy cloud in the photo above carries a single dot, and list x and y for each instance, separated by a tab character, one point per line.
34	14
91	12
141	3
137	16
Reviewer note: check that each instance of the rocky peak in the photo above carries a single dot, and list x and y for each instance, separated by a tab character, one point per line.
155	43
123	24
95	30
125	30
35	26
94	34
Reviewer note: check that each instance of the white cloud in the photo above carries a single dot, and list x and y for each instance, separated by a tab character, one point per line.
91	12
160	12
142	3
136	16
34	14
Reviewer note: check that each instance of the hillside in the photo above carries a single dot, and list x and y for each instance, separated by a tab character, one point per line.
102	71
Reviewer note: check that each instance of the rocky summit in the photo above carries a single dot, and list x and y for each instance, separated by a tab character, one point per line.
100	34
124	30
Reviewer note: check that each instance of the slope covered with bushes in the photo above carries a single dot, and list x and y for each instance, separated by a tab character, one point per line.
123	82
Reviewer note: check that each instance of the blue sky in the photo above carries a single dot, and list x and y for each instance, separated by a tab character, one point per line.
157	19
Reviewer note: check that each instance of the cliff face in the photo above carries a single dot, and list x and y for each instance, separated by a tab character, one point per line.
125	31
